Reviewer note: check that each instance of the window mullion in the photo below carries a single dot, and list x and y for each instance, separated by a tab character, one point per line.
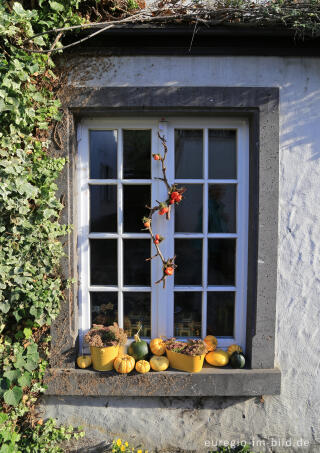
205	233
120	228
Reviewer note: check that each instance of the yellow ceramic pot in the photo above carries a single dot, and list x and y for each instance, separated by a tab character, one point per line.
103	358
183	362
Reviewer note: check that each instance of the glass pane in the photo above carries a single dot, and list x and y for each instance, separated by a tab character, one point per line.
189	261
136	154
221	261
104	261
135	199
137	308
222	208
103	209
188	153
187	314
222	154
136	268
188	214
103	154
104	308
220	314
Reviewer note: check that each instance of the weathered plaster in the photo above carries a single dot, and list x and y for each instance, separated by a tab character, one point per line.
186	423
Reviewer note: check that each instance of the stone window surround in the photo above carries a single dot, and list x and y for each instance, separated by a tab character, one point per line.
260	105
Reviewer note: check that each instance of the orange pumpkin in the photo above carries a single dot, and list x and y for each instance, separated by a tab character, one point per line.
211	342
142	366
157	346
124	363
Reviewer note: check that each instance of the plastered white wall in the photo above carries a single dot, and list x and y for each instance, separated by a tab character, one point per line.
295	414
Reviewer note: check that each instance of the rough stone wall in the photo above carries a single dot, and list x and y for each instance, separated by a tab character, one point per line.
173	423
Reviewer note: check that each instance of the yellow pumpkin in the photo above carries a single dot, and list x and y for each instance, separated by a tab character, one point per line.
83	361
157	346
234	348
218	357
124	363
142	366
211	342
159	363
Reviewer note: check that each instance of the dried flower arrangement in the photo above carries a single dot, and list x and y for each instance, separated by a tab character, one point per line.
191	347
104	336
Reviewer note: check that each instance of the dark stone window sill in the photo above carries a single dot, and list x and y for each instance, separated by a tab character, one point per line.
209	382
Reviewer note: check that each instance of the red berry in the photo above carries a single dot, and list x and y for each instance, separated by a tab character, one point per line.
157	237
161	212
169	270
156	241
156	157
171	201
174	195
165	210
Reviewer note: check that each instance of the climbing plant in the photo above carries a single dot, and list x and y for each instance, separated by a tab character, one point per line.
31	286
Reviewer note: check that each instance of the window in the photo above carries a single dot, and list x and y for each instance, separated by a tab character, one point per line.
207	232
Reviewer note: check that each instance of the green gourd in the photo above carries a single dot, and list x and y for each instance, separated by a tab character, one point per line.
237	360
138	349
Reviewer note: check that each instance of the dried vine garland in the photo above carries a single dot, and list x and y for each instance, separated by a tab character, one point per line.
175	195
301	17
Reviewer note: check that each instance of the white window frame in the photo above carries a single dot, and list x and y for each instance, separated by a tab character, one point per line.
162	304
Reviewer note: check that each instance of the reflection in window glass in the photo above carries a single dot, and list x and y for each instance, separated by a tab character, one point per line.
222	208
136	154
103	209
187	314
104	261
221	261
188	153
220	314
135	199
189	260
104	308
103	154
137	309
222	154
136	268
188	215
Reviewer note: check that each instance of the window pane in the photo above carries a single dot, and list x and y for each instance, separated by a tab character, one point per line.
188	153
103	154
187	314
220	314
137	308
189	261
104	261
221	261
136	154
104	308
222	154
188	214
136	268
135	198
103	209
222	208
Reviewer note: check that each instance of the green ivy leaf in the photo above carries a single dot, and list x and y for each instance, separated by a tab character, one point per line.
27	332
56	6
13	396
12	375
25	379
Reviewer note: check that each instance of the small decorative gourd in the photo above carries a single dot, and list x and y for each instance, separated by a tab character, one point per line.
211	342
83	361
159	363
138	349
142	366
237	360
157	346
234	348
124	364
218	358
